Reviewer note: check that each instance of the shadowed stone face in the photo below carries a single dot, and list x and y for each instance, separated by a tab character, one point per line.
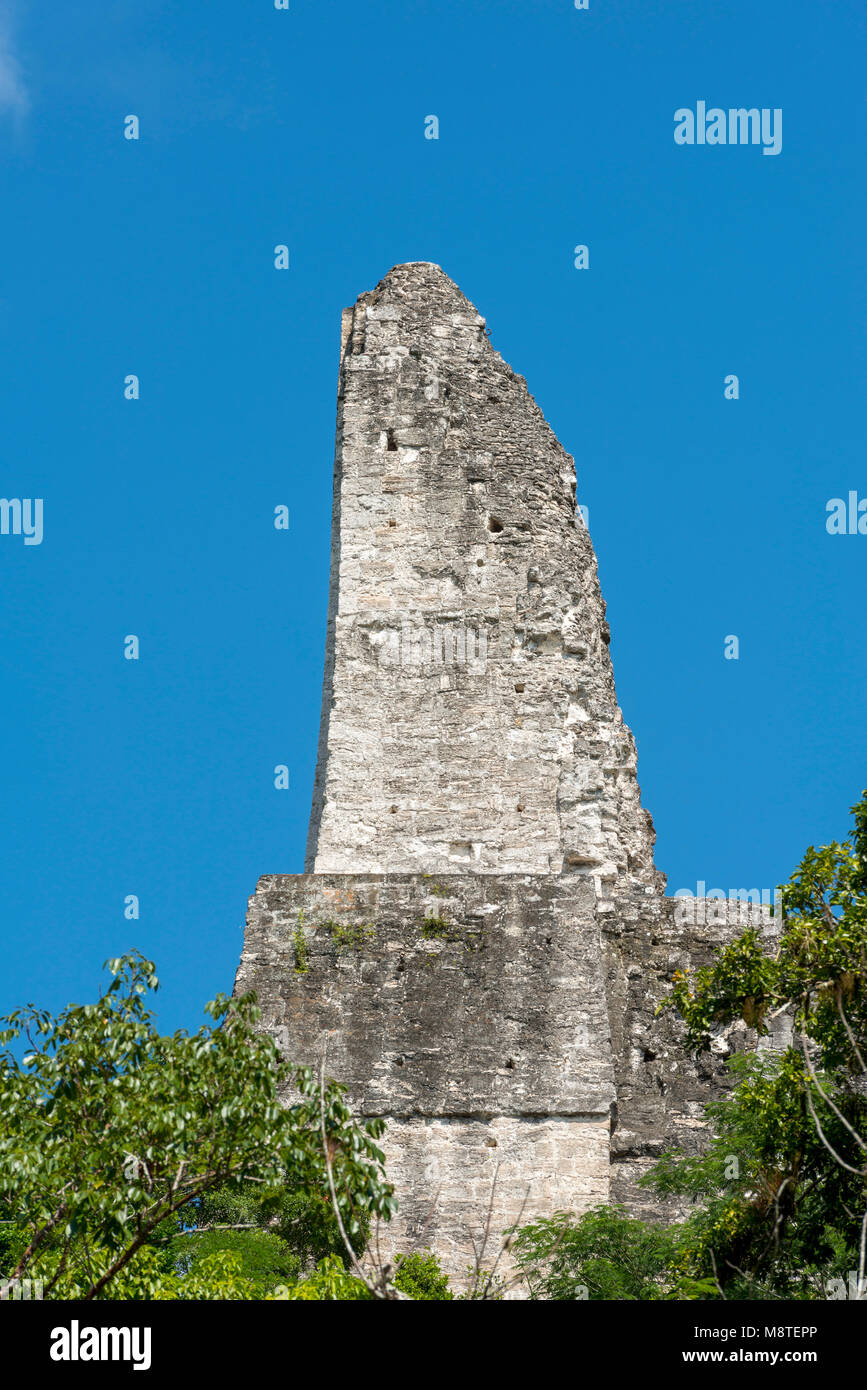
469	716
470	1012
470	994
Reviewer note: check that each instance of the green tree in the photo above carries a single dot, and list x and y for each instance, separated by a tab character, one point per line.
604	1254
329	1282
108	1131
420	1277
262	1257
780	1193
776	1217
276	1235
792	1208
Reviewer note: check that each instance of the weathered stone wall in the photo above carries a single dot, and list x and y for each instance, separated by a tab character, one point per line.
503	1025
470	1012
458	1178
662	1090
469	716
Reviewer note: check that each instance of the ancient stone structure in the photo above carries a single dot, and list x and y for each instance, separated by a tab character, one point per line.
455	528
485	936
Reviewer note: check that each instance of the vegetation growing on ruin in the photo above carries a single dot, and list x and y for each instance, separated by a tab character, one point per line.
437	888
299	946
350	936
436	929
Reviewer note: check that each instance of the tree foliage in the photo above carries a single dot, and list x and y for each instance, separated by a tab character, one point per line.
108	1131
605	1254
779	1197
795	1126
421	1278
818	969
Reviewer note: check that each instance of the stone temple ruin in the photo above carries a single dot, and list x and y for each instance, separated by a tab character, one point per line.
480	938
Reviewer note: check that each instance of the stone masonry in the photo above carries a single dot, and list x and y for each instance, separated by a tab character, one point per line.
455	528
484	935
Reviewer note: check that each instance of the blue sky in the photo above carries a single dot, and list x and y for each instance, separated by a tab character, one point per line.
155	257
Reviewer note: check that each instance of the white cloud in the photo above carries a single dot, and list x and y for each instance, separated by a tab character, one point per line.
13	92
